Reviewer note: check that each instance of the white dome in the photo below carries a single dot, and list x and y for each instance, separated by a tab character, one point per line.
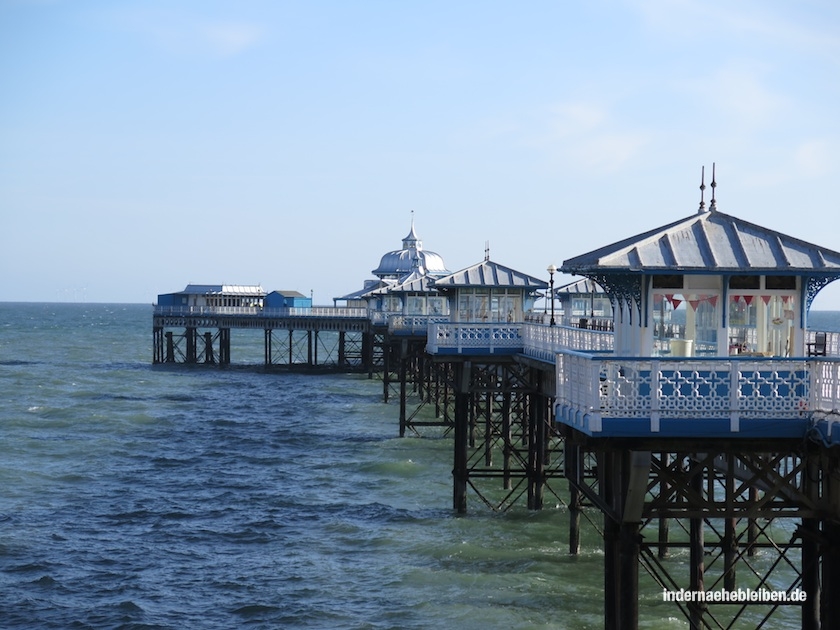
412	256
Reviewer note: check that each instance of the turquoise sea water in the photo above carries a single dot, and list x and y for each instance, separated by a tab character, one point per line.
140	496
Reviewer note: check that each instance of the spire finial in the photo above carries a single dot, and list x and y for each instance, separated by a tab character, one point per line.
702	190
486	250
411	241
713	204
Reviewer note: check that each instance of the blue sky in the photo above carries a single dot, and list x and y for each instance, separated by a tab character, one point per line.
145	145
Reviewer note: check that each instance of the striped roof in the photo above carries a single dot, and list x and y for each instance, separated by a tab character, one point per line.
584	286
490	274
224	289
415	282
710	242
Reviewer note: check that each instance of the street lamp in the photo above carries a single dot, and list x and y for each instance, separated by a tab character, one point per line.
551	269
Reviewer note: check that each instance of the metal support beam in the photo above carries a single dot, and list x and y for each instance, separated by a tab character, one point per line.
460	472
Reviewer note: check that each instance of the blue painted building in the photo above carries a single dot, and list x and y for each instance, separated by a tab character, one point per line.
287	299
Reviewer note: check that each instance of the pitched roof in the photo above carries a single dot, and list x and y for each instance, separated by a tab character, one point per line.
224	289
415	282
584	286
295	294
490	274
710	242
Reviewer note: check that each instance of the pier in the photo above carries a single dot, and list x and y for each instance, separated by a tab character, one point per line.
302	338
683	408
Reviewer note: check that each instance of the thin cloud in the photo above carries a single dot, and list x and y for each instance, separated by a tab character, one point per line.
583	135
740	95
189	34
786	27
231	38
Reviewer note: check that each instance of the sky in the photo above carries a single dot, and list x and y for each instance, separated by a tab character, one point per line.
145	145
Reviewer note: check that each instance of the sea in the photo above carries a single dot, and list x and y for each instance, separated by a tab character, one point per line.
139	496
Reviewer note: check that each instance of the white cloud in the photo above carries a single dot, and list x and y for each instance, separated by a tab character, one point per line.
575	118
806	27
185	33
230	38
584	135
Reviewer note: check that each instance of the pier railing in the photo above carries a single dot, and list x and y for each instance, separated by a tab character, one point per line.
543	342
256	311
592	388
832	341
474	338
413	324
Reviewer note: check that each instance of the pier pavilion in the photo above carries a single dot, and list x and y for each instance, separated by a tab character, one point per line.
702	413
711	323
207	296
398	269
501	413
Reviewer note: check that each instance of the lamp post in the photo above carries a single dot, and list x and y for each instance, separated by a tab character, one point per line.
551	269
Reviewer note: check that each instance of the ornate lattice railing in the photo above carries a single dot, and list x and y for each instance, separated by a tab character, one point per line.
598	387
465	338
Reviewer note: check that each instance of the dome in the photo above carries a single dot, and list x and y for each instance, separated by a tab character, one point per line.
411	257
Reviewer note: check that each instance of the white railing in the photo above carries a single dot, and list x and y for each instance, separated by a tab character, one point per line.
314	311
469	337
378	318
413	324
543	342
832	341
825	391
591	388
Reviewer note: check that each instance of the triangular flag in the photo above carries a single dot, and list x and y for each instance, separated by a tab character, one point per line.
765	299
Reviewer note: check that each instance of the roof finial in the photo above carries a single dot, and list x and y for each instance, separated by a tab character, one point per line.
702	190
713	204
486	250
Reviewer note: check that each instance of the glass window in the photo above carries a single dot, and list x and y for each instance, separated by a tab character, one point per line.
416	305
685	324
392	304
762	323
